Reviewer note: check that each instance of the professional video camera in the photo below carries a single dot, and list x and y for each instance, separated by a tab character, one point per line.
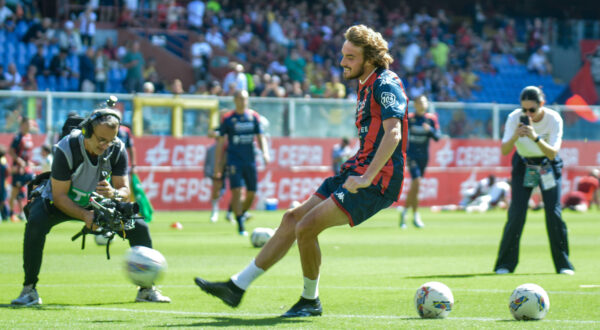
110	216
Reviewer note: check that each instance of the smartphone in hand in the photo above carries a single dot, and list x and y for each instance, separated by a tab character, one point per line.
525	120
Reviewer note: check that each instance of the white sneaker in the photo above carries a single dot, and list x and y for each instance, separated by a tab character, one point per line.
403	220
502	271
417	221
214	216
151	295
28	297
566	271
247	216
229	217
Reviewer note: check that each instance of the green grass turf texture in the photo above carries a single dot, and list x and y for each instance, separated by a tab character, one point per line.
369	275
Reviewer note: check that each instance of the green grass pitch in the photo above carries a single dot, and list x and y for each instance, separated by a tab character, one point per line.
368	277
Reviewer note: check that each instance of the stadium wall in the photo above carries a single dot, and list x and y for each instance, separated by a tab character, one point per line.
171	169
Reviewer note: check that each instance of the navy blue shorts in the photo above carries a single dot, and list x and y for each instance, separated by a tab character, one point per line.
358	207
417	167
21	180
238	175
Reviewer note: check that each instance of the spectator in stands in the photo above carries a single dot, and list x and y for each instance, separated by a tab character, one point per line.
214	88
109	49
411	53
101	64
5	12
148	88
215	38
422	127
335	89
59	67
149	68
14	81
87	70
295	66
39	60
37	31
87	26
195	11
535	163
134	62
177	87
538	62
30	81
3	81
200	52
318	88
69	38
439	53
586	193
594	59
235	80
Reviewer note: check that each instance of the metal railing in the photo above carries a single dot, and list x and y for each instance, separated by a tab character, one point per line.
293	117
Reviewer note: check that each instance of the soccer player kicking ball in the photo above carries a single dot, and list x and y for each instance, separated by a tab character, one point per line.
371	180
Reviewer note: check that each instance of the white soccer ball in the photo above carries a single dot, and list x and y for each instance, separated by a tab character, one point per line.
260	236
144	266
101	239
529	302
434	300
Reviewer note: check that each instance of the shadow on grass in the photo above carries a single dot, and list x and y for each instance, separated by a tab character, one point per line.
475	275
239	322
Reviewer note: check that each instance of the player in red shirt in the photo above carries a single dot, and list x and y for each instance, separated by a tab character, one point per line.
21	150
586	193
369	181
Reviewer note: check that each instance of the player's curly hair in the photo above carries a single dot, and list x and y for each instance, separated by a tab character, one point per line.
375	48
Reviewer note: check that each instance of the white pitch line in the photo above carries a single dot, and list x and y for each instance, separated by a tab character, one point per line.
342	316
371	288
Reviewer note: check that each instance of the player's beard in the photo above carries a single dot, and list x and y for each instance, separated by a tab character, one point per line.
356	75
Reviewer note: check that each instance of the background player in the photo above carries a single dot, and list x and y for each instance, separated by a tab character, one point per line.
240	126
422	127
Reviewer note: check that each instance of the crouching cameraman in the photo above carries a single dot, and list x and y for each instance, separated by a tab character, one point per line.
83	161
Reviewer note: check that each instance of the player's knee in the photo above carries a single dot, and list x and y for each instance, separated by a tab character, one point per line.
304	230
290	218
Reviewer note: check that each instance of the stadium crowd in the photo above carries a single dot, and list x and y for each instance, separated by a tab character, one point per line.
273	49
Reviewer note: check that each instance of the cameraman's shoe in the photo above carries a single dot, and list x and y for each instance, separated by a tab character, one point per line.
228	292
28	297
305	307
151	295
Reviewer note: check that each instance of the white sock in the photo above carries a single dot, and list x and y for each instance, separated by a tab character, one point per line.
311	288
246	276
215	205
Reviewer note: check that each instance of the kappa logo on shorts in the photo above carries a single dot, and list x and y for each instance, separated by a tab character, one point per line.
387	99
340	196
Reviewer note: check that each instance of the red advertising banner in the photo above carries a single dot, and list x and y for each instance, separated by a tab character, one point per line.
171	169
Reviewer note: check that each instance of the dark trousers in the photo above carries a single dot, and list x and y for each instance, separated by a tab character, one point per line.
42	217
508	255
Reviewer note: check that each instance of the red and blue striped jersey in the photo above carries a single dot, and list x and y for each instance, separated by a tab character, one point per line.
23	146
418	137
240	130
381	97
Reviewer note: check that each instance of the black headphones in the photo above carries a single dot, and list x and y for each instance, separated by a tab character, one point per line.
87	129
